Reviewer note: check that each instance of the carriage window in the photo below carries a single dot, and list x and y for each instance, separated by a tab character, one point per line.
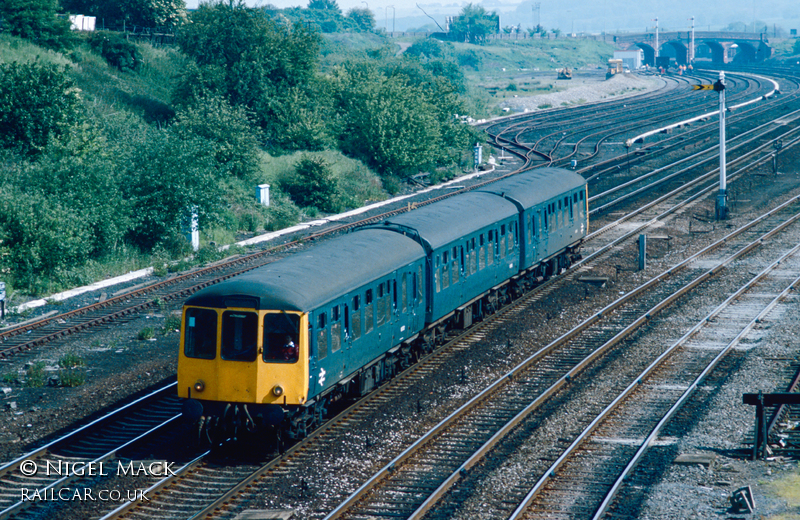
481	238
369	318
404	293
355	318
445	276
574	197
571	214
381	306
239	335
322	336
336	330
200	333
281	333
445	258
418	283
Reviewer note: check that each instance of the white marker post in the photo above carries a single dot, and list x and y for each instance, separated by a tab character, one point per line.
722	198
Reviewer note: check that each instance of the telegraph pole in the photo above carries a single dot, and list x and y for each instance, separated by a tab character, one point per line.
691	48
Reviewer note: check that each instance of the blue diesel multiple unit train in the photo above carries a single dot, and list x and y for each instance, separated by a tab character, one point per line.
273	347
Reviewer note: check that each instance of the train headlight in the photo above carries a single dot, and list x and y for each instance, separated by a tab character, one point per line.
277	390
199	386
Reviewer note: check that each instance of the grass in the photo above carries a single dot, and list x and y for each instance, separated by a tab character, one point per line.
788	489
14	49
71	361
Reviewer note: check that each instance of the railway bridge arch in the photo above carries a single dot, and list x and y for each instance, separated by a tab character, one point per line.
719	47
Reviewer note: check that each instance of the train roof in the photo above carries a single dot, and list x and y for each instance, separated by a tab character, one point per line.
536	186
447	220
308	279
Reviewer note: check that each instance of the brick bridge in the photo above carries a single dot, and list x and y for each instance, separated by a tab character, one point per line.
720	47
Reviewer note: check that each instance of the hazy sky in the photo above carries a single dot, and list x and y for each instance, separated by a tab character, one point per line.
592	16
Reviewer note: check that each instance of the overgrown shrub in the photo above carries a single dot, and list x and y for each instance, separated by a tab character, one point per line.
34	375
116	50
312	185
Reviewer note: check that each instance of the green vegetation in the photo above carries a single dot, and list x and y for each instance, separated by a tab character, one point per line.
72	370
146	333
108	145
171	324
34	375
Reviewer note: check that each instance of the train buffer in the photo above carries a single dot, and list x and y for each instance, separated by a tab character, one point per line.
761	401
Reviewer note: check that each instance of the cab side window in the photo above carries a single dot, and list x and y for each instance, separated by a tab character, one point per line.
200	333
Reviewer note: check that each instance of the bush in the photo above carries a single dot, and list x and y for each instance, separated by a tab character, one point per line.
282	214
72	372
171	323
71	361
37	103
146	334
36	20
312	185
35	375
71	377
117	51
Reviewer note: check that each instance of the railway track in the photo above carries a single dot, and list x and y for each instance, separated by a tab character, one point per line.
162	510
270	476
415	480
70	461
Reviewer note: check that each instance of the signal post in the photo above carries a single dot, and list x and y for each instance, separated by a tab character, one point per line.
721	210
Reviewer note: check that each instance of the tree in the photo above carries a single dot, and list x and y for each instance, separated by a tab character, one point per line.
428	48
388	122
228	131
330	5
37	103
117	51
245	57
474	24
166	177
363	18
36	20
313	184
145	13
